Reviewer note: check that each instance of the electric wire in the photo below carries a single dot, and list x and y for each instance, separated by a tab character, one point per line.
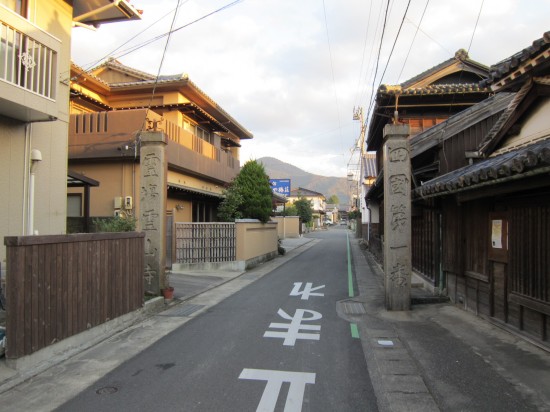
413	39
475	27
428	36
333	77
365	42
138	139
395	41
373	95
459	80
163	56
372	53
135	36
161	36
154	39
90	66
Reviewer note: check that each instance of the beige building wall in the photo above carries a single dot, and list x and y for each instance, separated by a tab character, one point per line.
182	209
115	180
122	179
535	127
287	226
256	240
193	182
17	140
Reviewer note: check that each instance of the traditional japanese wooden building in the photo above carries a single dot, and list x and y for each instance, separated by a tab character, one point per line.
493	214
422	102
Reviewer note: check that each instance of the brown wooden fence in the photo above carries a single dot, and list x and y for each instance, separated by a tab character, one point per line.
58	286
205	242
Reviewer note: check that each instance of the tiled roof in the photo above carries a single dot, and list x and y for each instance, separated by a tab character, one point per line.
183	80
526	161
433	89
540	48
304	192
491	139
83	72
369	165
115	64
460	55
459	122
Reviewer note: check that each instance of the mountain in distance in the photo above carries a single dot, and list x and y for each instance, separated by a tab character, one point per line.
328	186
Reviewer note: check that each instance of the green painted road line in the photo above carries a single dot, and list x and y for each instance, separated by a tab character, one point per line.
354	331
350	277
353	326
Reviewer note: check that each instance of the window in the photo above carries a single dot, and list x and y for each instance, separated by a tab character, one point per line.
74	205
203	134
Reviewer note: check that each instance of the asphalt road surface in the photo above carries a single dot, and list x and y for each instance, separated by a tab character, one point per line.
277	344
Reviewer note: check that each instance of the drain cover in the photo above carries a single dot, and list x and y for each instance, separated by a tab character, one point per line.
184	310
353	308
107	390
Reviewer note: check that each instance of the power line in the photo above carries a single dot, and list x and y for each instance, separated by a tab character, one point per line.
154	39
378	60
371	65
428	36
146	43
414	38
395	41
163	56
475	27
137	35
364	50
333	77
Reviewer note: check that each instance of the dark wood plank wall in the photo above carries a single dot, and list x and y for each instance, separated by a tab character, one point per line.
529	267
58	286
516	293
425	241
452	155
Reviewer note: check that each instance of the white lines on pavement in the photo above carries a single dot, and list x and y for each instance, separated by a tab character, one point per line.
307	291
275	380
293	328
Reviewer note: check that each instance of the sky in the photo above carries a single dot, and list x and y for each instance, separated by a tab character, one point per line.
294	72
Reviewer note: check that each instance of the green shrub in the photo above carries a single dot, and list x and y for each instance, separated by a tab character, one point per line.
115	224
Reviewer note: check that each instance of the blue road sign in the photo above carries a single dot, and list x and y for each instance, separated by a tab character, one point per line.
280	186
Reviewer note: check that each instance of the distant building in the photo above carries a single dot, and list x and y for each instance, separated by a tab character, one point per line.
317	200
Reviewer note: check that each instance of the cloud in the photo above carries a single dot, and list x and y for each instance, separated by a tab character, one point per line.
272	65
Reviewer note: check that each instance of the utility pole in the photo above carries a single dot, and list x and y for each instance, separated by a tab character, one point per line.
358	115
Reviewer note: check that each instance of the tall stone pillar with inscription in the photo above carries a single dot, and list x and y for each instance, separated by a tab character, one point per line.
152	208
397	217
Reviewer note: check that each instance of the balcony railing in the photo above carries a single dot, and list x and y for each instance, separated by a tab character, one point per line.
102	135
28	65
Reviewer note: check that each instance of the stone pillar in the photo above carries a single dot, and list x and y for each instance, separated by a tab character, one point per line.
152	208
397	217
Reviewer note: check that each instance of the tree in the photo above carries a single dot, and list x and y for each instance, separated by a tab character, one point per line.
228	210
333	200
304	209
249	195
289	211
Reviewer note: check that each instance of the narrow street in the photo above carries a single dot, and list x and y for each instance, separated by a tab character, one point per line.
277	344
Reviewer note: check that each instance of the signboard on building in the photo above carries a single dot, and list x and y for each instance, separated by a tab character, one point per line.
280	186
